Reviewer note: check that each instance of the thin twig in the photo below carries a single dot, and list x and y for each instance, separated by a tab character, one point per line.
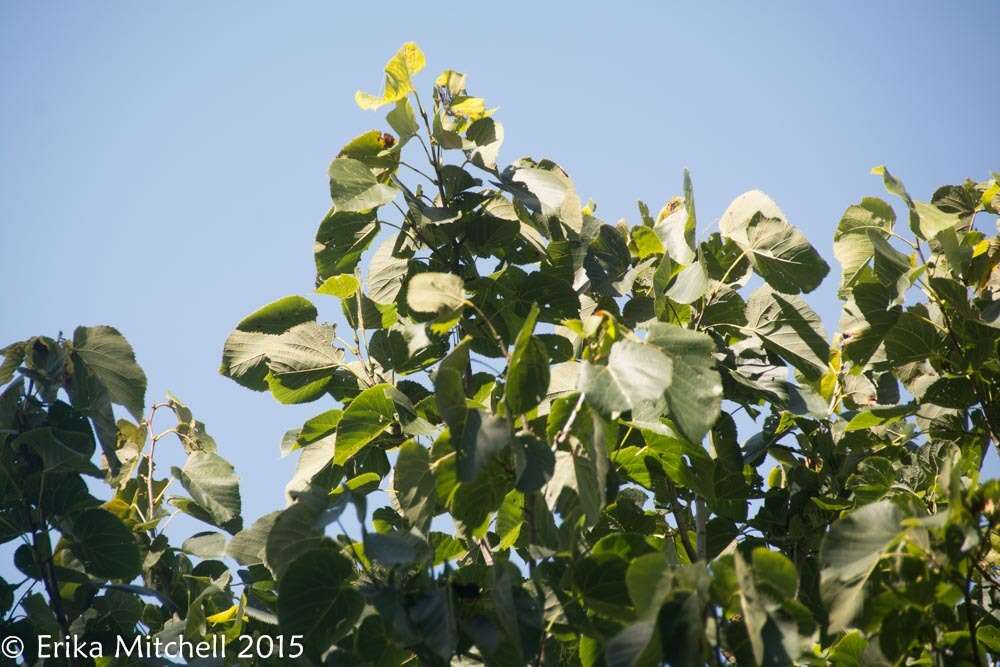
149	468
496	336
419	171
681	522
564	431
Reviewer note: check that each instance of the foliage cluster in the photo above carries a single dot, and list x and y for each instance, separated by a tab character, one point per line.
550	405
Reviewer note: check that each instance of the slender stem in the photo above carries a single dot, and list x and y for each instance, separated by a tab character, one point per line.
485	365
682	528
419	171
701	528
362	343
716	654
25	593
564	431
406	218
169	519
435	156
149	468
427	151
49	578
489	325
970	621
401	229
718	288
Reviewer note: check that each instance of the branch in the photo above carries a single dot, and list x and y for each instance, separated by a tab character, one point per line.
681	521
49	578
970	621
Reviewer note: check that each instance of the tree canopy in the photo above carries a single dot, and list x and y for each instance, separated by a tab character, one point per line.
566	442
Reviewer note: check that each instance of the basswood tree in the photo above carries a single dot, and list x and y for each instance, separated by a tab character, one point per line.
533	417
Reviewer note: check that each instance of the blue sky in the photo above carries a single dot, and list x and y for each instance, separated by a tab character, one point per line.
163	164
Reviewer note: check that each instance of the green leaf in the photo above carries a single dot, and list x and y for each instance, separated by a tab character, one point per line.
413	483
634	646
449	390
320	426
780	629
61	451
280	347
635	376
852	242
109	360
386	272
313	459
646	242
782	256
214	486
205	545
248	546
913	337
893	185
774	573
933	220
528	373
403	120
316	601
244	356
868	316
103	544
395	548
866	419
601	582
690	284
477	435
482	437
661	280
695	393
404	64
546	191
341	240
470	503
370	148
736	218
849	554
789	328
510	519
368	416
534	462
354	188
191	432
279	316
342	286
583	469
297	530
487	136
435	293
649	582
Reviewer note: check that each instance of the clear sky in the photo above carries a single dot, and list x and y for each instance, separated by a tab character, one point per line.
162	165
